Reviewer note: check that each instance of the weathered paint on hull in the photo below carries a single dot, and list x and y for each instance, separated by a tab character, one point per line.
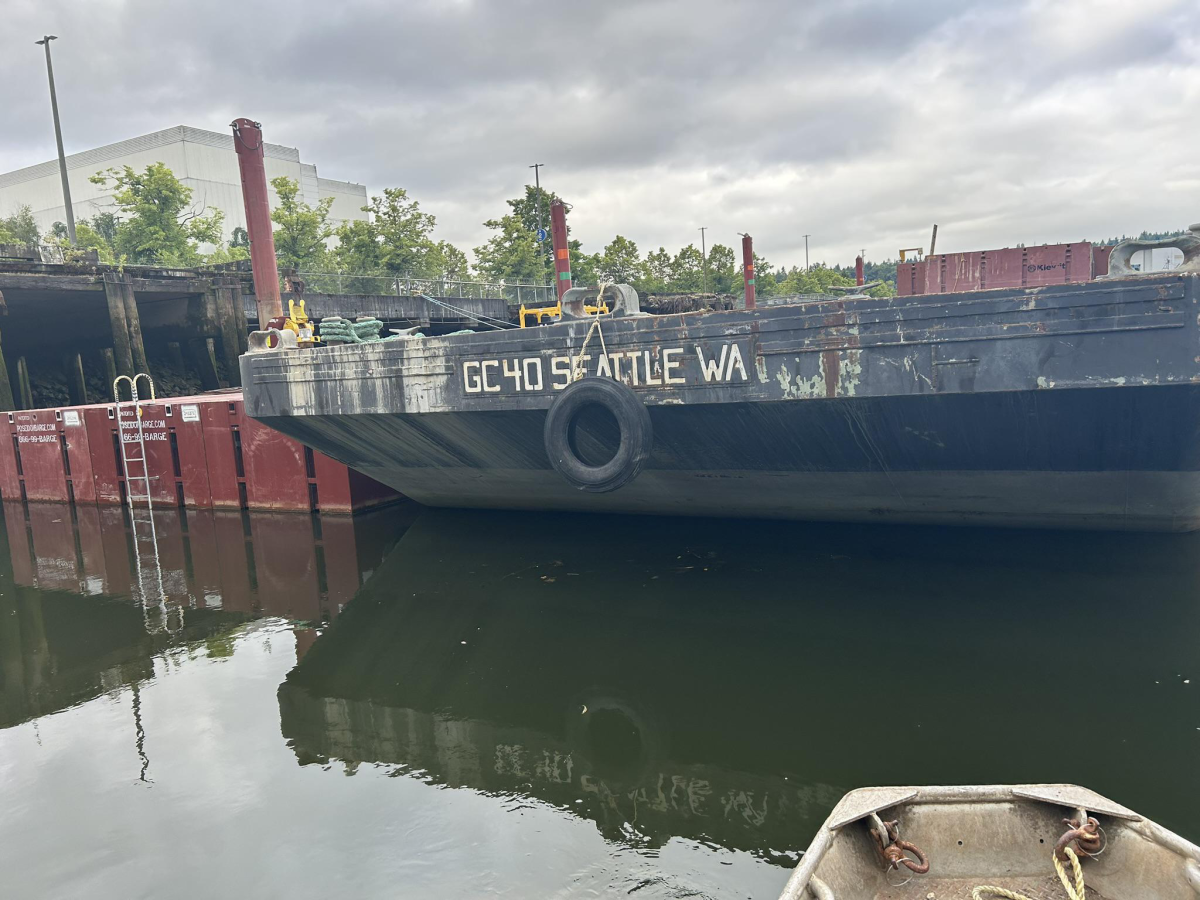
1072	407
1098	459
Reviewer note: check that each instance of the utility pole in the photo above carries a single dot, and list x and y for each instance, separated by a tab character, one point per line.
537	189
62	159
806	266
704	257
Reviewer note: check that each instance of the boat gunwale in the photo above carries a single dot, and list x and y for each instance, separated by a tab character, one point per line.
765	324
797	884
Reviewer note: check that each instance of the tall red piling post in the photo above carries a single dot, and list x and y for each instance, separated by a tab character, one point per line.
748	266
858	271
562	252
248	142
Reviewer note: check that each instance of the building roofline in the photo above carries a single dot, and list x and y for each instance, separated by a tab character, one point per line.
323	180
96	157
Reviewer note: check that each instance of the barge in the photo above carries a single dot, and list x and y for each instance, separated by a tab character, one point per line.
1056	406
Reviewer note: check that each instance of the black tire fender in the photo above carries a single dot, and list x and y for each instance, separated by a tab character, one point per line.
633	419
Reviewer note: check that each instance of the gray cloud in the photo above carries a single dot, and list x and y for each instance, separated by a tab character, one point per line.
858	121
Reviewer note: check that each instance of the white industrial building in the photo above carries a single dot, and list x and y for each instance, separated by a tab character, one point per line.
203	160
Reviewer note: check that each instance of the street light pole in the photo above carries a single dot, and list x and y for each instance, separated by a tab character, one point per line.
806	237
537	188
62	159
704	257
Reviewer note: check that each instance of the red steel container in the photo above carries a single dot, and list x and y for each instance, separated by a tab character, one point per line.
220	426
201	452
38	448
277	476
1011	267
1004	268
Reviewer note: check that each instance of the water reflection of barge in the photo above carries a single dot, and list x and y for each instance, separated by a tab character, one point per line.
502	653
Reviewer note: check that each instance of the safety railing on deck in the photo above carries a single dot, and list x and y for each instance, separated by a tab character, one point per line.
338	283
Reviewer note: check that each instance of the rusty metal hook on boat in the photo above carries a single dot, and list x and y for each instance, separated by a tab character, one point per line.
1086	838
893	852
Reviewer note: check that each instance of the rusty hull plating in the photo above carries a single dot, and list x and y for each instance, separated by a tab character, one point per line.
1063	406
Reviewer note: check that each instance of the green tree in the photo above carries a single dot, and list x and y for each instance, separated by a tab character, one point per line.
301	230
585	268
621	262
227	253
397	240
358	247
534	206
87	237
687	270
20	227
658	272
403	232
448	262
817	280
514	254
722	270
159	223
105	225
765	284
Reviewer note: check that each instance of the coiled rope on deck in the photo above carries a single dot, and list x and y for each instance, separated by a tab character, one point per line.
1073	892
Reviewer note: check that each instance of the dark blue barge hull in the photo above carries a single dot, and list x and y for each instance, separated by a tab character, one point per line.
1073	406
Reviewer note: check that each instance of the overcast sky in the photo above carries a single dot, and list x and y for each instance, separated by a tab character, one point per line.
861	123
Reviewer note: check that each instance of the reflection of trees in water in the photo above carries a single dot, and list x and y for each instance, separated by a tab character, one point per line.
58	650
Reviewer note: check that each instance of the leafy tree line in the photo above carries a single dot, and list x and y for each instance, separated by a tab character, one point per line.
398	240
156	222
19	228
1144	236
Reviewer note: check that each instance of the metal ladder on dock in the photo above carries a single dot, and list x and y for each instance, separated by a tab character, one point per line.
148	567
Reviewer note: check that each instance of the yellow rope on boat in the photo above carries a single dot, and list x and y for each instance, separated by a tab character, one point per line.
1074	893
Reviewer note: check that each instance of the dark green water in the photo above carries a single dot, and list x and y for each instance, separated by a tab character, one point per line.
460	704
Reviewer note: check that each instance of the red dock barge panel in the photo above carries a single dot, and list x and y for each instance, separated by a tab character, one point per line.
10	478
189	456
1004	268
105	452
78	455
276	474
39	449
157	452
1012	267
221	422
201	452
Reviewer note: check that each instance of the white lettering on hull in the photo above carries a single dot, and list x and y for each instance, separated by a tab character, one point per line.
658	367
